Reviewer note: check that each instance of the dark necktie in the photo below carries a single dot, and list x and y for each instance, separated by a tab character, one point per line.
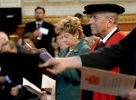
39	25
101	44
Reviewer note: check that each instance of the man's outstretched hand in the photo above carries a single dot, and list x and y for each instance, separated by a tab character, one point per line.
58	65
55	65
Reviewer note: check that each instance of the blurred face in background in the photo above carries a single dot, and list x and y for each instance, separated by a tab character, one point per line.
39	15
29	42
54	44
60	42
7	48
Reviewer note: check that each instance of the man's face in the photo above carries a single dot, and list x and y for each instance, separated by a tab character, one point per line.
7	48
39	14
98	23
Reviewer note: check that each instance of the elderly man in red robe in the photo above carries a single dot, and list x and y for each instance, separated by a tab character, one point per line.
103	19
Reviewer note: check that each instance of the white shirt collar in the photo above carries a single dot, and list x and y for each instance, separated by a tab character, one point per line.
108	35
38	22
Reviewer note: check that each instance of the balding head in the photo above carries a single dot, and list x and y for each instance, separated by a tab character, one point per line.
3	38
9	46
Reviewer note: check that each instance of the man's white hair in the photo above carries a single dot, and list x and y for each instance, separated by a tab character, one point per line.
3	35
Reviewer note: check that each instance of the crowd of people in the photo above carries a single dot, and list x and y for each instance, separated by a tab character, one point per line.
72	45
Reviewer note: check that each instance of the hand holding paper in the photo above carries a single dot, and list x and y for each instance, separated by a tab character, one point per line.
131	95
41	50
31	87
61	64
15	91
37	33
106	82
44	30
43	96
48	84
45	56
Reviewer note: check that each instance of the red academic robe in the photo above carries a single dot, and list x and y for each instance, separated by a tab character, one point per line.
115	38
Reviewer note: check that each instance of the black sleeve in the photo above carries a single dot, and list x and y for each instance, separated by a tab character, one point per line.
104	58
109	57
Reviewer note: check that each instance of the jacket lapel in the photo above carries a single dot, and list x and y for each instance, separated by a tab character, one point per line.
64	53
77	48
94	46
34	25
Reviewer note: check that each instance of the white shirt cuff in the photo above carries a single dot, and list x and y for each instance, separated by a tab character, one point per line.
8	79
20	87
80	60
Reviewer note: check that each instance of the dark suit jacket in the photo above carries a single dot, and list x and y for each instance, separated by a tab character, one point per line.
68	82
19	65
45	41
121	54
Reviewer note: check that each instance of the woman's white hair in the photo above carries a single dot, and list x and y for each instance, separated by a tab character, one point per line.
4	36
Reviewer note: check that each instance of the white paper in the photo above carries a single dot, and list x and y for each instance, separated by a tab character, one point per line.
47	83
53	93
44	30
106	82
39	38
31	87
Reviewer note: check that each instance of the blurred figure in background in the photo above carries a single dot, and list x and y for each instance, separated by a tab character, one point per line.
43	36
55	46
89	38
86	28
3	38
19	42
30	39
90	41
60	43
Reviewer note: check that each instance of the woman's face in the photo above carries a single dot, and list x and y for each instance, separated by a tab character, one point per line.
69	39
54	44
29	42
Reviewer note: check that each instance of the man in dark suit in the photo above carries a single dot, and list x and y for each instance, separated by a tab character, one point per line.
44	37
121	54
16	70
